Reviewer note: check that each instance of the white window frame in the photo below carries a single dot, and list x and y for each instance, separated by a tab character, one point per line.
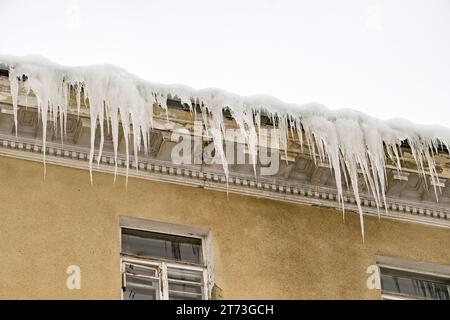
204	234
410	266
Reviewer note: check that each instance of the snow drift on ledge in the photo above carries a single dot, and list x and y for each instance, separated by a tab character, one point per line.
353	144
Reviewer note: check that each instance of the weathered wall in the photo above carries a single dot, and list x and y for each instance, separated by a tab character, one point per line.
263	248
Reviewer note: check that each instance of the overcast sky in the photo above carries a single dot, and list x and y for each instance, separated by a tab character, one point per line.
386	58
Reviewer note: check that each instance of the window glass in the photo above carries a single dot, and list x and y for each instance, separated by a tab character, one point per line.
158	245
140	288
414	285
140	270
185	284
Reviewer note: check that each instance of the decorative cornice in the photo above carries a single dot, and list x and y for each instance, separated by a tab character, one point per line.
213	179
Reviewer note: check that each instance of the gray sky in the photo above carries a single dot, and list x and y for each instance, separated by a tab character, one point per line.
386	58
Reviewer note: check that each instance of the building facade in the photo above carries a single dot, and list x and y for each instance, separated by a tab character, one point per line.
183	231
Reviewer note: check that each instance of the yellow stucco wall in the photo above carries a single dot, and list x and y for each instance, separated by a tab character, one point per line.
262	248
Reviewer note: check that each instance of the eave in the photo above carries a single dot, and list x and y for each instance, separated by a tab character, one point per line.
299	180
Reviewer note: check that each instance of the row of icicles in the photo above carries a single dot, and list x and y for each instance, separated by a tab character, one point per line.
353	146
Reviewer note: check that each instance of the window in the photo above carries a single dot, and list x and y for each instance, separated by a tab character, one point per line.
164	261
405	279
159	245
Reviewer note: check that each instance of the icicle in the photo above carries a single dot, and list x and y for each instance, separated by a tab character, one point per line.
355	146
78	99
115	136
101	120
246	123
14	85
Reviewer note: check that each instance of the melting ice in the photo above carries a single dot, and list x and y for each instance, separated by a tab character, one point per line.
354	145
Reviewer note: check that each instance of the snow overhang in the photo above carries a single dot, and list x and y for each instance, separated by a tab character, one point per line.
367	153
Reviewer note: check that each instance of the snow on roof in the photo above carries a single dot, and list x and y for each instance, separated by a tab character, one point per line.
350	141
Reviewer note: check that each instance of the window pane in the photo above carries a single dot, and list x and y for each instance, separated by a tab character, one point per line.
140	288
153	244
416	285
186	275
185	284
140	270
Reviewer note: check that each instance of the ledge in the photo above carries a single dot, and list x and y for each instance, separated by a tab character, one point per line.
208	178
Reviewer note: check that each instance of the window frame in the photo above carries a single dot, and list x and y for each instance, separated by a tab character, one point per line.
161	264
425	269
